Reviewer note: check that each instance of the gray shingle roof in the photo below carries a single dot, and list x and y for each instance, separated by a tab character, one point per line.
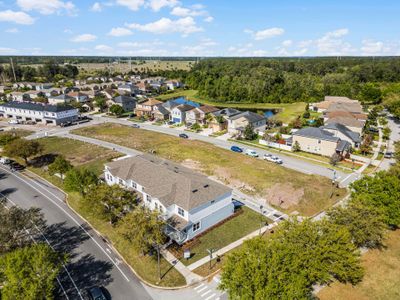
354	136
63	97
123	99
37	106
167	181
317	133
228	112
343	145
250	116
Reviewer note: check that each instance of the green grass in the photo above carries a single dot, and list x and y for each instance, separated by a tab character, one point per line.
230	231
93	157
381	280
287	111
254	177
18	132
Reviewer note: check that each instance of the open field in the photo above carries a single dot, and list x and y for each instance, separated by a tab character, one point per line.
138	66
381	280
93	157
287	111
18	132
306	194
230	231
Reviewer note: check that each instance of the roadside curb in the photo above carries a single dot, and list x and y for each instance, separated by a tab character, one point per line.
106	241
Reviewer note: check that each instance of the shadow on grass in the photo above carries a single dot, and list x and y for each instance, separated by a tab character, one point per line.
43	160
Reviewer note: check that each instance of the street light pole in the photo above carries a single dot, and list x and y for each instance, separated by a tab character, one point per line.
261	218
210	251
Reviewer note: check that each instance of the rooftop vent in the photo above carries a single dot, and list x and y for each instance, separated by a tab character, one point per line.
194	191
206	185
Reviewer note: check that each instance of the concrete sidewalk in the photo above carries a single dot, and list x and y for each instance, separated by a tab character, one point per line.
180	267
231	246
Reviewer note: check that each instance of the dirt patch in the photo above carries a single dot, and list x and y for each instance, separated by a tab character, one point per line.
222	174
284	195
192	164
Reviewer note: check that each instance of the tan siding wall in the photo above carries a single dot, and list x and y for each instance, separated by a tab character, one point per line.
326	148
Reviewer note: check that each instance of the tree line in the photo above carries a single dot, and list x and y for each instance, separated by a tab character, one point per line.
290	261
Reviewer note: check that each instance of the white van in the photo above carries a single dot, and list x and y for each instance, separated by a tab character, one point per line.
251	152
13	121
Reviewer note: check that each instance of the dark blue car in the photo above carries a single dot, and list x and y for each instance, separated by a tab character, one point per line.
236	149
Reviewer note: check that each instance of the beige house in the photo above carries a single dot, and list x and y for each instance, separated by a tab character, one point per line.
320	141
147	108
237	123
199	114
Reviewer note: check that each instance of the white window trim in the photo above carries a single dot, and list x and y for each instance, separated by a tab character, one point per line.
199	223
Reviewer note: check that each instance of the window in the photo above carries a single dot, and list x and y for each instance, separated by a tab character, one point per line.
196	226
181	212
134	185
156	205
148	198
319	141
120	181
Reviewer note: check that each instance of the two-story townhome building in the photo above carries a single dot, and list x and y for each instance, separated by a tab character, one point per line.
238	122
147	108
60	99
178	113
38	112
199	114
190	202
79	97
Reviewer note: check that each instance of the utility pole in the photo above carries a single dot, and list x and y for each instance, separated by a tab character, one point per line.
12	67
210	252
262	217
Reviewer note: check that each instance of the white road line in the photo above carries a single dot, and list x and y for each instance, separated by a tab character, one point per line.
199	286
202	295
73	219
209	297
13	203
347	177
202	289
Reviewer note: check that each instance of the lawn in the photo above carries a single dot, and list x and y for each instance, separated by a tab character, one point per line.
307	194
381	280
287	111
93	157
18	132
228	232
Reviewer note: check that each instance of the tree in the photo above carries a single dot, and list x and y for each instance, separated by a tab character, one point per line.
335	159
196	127
23	148
381	192
7	138
287	264
371	93
116	110
365	223
296	146
30	272
109	202
14	224
386	133
79	180
100	102
60	166
249	133
143	228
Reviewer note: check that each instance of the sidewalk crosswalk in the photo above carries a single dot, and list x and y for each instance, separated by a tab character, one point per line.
208	292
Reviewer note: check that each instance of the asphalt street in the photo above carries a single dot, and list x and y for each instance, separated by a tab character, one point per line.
91	260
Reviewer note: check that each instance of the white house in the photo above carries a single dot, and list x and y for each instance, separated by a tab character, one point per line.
78	96
61	99
172	84
190	202
178	113
40	113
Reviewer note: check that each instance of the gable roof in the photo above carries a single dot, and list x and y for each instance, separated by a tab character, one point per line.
349	107
354	136
123	99
167	181
207	109
228	112
316	133
151	102
347	121
37	106
184	107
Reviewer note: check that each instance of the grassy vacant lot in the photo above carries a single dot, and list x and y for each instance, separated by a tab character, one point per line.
288	112
381	280
228	232
307	194
93	157
17	132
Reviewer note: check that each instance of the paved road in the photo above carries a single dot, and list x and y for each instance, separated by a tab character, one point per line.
92	262
394	126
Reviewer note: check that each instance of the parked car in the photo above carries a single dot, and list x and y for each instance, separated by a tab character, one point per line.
183	135
388	155
236	149
134	125
272	158
13	121
96	293
5	160
251	153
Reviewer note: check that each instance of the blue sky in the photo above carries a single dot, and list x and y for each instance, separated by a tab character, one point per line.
199	28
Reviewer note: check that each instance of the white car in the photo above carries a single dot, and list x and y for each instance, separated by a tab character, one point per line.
13	121
251	153
5	160
272	158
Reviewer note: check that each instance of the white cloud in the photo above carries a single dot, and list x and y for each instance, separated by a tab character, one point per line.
131	4
96	7
139	45
185	26
120	31
287	43
266	33
7	51
67	30
204	48
246	50
371	47
104	48
337	33
209	19
87	37
47	7
156	5
12	30
332	44
18	17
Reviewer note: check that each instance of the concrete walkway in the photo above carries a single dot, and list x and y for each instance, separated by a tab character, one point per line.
231	246
180	267
375	155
